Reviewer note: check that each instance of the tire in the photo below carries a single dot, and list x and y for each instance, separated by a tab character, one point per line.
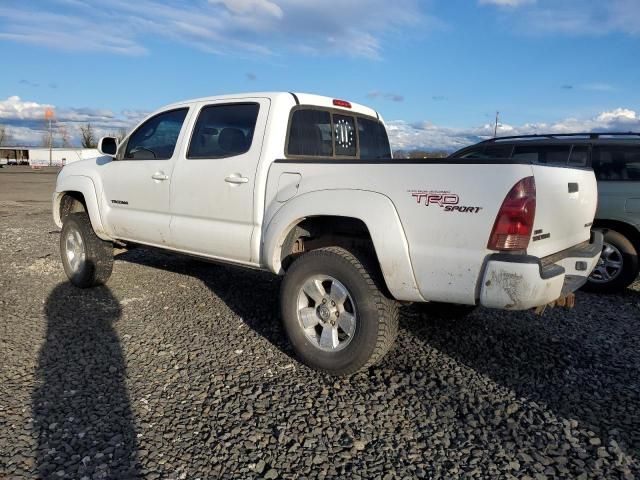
87	259
365	321
445	311
606	278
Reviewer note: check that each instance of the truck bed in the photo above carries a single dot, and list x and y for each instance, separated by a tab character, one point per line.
447	209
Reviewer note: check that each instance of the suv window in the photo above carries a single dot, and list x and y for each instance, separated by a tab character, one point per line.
224	130
475	153
579	156
543	154
156	138
489	151
498	151
617	163
374	142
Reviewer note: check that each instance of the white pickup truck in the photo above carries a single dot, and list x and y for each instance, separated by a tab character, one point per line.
306	187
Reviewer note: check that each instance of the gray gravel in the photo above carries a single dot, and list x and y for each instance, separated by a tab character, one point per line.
179	369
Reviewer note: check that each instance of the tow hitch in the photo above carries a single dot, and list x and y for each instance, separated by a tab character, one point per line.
567	301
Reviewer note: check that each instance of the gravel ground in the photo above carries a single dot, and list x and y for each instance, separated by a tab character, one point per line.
179	369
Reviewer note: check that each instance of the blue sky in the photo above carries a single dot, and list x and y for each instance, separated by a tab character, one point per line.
436	69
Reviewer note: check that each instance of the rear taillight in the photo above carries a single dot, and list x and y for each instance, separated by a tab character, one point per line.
514	222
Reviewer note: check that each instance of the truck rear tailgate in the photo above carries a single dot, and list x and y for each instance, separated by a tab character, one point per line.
566	201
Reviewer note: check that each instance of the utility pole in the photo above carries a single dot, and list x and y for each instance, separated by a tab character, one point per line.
48	115
495	129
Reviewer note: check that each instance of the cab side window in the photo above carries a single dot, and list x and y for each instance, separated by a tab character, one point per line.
616	163
224	130
156	138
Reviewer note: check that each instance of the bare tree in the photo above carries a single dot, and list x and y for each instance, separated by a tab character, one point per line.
4	136
119	135
65	138
88	136
45	139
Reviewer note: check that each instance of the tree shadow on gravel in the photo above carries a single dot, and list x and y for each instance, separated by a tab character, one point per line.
251	294
583	364
80	406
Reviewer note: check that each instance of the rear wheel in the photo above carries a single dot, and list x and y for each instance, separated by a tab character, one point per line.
617	267
87	259
335	313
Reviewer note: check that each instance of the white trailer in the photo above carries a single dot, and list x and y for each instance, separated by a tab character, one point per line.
60	156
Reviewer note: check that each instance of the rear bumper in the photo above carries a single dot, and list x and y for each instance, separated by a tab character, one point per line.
520	282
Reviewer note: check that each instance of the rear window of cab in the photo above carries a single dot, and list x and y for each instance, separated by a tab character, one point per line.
325	133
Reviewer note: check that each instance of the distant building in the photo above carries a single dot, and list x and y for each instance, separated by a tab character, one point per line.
39	156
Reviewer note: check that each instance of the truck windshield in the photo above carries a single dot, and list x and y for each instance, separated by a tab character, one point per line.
316	132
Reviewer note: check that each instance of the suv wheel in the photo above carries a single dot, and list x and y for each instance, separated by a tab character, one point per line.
335	313
87	259
617	267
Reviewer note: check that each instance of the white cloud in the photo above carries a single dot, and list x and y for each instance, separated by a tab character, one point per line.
13	108
598	87
394	97
572	17
619	116
26	123
244	7
356	28
425	135
506	3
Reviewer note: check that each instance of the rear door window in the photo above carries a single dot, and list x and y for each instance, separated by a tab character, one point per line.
224	130
617	163
543	154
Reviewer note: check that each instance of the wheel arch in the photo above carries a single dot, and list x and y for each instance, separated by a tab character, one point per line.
77	193
345	215
626	229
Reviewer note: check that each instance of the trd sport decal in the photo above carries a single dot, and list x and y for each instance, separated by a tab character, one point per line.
449	202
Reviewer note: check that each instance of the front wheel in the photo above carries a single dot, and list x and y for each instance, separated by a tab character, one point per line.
87	259
335	313
617	267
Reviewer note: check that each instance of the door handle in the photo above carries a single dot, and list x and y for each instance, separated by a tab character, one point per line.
236	179
160	176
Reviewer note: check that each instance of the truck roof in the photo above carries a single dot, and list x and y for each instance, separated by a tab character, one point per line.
298	97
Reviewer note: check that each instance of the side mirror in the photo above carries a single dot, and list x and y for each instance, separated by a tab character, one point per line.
108	146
